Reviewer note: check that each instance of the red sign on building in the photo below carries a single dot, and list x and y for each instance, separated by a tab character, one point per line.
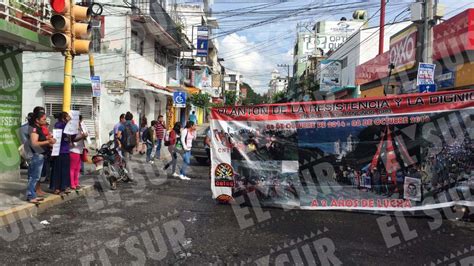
403	49
454	36
372	70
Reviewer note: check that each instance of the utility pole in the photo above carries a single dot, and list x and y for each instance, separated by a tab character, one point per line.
382	26
428	31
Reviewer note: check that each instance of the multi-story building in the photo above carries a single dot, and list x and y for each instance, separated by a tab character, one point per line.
277	84
357	49
232	81
195	20
137	58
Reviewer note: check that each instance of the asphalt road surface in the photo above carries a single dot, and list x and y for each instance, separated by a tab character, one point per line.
160	220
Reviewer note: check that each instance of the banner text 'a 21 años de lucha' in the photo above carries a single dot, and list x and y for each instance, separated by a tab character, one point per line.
394	153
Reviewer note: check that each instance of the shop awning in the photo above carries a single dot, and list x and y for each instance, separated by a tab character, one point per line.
149	86
192	90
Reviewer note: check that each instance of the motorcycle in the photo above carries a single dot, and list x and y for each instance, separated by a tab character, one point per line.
110	165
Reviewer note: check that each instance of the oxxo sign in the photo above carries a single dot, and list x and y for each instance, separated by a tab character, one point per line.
403	50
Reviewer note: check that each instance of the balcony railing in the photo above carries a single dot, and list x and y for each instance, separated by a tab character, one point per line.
33	15
154	9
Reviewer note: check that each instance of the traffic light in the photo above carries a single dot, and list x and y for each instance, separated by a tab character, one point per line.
61	22
71	25
81	29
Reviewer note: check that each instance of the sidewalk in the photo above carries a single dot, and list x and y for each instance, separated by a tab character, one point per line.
13	204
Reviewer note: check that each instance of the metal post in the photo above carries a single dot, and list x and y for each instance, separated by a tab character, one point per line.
95	104
382	26
427	32
68	60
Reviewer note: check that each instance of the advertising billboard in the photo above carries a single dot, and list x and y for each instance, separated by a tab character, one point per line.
330	74
403	50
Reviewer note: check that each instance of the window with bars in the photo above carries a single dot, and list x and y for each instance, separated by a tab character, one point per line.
54	108
160	55
136	43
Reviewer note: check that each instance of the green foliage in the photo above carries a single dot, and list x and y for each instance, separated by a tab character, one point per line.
230	98
278	96
216	105
252	97
200	100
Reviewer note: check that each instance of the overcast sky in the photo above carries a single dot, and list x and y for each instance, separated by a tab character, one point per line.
255	52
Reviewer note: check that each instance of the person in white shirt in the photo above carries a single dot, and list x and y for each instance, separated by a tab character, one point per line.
76	153
188	134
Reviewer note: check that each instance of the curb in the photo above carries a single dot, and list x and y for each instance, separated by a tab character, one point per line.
28	210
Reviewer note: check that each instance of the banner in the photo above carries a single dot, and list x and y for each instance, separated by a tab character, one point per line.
11	78
403	152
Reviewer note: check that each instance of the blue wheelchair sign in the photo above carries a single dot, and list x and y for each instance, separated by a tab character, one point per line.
179	99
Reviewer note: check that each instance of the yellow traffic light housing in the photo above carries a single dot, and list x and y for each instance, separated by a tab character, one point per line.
81	28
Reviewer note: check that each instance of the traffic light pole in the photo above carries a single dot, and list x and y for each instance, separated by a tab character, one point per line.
68	60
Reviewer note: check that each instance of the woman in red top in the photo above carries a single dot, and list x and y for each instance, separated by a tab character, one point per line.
174	136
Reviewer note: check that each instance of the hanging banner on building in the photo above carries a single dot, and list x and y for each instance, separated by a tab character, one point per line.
403	152
202	41
11	77
330	74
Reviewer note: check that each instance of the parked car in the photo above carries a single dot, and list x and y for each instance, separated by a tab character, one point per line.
198	151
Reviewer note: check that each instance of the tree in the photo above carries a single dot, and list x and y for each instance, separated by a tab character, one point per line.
277	97
230	98
252	97
200	100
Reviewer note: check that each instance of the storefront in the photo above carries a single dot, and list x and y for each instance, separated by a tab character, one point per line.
453	51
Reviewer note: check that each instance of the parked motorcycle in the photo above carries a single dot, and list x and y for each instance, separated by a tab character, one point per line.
110	164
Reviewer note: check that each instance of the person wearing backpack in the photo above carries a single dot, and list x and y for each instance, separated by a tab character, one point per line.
173	138
149	138
128	138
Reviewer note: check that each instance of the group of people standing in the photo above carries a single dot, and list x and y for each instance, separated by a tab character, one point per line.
62	169
150	138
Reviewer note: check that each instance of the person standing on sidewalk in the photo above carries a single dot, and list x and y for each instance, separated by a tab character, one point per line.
149	138
187	136
142	147
128	138
38	142
61	179
174	136
46	171
116	127
193	117
160	129
77	150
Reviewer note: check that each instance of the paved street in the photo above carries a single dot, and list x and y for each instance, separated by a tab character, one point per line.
169	221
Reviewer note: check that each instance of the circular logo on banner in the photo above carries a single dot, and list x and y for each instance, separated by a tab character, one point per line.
224	175
223	198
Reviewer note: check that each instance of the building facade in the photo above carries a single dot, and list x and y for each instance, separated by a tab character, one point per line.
357	49
137	57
